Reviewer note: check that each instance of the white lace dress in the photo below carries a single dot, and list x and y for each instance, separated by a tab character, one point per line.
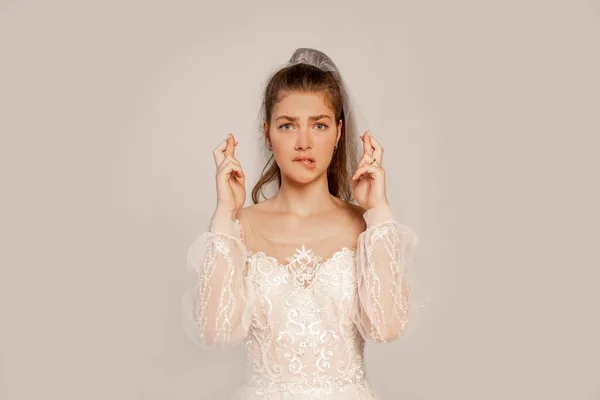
303	323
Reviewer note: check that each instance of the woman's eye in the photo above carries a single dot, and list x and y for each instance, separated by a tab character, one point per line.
323	126
284	127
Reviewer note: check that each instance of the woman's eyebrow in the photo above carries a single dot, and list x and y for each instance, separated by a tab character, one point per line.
311	118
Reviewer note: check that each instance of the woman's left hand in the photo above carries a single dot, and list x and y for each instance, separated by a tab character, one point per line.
368	181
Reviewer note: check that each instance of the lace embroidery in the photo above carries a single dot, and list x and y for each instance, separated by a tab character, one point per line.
304	264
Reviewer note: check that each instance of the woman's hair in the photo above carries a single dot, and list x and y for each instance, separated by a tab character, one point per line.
306	78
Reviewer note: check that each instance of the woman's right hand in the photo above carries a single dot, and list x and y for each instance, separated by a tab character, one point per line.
231	189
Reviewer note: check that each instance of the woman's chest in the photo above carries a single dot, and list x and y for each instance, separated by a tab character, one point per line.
307	289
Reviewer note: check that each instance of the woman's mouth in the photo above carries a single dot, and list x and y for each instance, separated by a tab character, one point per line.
307	163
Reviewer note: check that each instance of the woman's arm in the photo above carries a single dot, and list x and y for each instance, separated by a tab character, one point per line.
218	309
384	253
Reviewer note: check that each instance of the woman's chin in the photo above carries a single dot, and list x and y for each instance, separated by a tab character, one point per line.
302	177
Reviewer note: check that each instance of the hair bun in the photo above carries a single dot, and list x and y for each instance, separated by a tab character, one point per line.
316	58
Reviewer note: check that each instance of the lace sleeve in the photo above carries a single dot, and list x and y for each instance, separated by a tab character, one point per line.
218	307
385	251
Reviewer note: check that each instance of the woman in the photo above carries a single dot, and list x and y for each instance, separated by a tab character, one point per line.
304	277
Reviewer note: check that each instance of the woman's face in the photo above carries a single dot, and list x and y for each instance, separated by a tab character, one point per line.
303	125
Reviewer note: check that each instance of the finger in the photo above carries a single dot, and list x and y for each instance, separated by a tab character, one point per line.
378	150
373	170
219	153
365	159
223	149
228	168
354	183
367	145
229	150
227	161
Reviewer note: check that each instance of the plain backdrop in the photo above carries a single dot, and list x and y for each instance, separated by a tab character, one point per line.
109	110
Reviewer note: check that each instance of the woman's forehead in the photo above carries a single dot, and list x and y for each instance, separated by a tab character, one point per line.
303	104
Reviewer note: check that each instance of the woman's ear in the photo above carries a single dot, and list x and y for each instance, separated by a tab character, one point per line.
339	131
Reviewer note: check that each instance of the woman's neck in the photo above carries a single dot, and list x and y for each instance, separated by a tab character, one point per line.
304	200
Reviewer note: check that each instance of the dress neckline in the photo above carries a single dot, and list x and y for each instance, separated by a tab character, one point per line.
308	264
303	252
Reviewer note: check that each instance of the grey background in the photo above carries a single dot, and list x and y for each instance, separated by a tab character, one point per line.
489	113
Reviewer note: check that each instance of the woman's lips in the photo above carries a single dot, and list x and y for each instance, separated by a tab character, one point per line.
307	163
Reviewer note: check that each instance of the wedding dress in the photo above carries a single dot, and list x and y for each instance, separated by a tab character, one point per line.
302	309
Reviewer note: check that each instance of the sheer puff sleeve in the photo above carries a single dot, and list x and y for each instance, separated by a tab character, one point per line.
385	250
218	307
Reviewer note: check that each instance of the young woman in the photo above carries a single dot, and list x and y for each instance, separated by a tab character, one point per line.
304	277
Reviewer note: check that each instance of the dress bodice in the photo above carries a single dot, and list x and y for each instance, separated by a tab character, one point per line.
302	338
302	321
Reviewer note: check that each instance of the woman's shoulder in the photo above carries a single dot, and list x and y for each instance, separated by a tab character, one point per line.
355	213
250	214
354	209
254	210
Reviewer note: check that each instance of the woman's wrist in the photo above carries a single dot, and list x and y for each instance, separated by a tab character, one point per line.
224	214
224	221
378	214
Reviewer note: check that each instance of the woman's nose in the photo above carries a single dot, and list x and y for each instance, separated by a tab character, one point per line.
303	141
